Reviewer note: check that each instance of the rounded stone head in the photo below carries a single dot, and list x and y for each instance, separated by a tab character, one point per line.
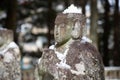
67	26
6	36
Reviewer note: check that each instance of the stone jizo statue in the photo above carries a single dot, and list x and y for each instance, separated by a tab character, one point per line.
73	57
9	57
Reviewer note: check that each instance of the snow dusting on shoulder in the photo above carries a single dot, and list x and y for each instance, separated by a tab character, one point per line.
85	39
2	28
12	45
72	9
52	47
39	60
8	57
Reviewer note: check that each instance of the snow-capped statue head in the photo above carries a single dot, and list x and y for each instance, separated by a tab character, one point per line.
69	25
72	9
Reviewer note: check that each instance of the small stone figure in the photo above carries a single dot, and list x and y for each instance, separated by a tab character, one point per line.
73	57
9	57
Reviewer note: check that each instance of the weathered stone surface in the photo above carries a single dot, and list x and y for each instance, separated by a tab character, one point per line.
82	62
9	57
73	57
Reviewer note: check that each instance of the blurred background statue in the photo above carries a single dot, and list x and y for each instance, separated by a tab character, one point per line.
9	57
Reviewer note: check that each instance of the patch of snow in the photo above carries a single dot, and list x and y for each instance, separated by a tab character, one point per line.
62	57
85	39
72	9
63	65
8	57
39	60
80	69
1	28
12	45
52	47
75	72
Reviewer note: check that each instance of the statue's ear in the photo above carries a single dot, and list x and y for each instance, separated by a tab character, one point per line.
76	30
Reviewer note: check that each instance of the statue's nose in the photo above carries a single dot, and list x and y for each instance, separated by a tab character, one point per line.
57	31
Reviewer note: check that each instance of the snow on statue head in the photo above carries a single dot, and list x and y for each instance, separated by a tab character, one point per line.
69	24
72	9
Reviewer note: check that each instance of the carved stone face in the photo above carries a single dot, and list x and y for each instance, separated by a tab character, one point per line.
62	32
6	36
68	26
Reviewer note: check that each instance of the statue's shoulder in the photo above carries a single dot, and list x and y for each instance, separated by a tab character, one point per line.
47	50
85	56
47	53
79	50
83	46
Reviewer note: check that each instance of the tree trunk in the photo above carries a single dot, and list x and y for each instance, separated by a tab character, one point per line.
116	54
11	16
106	33
50	21
66	3
81	3
94	19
